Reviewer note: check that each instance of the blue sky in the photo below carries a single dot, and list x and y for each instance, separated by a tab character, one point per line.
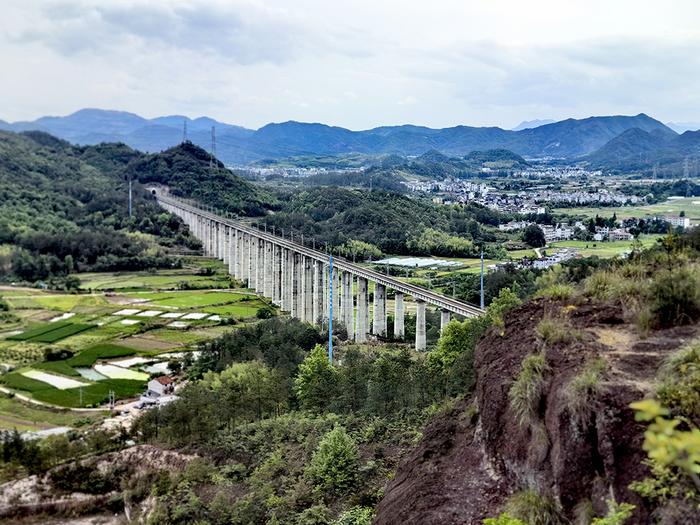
357	64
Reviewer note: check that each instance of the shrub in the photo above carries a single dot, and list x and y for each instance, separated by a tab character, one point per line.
560	292
583	390
504	519
676	296
680	387
618	513
356	516
334	464
265	312
527	389
534	508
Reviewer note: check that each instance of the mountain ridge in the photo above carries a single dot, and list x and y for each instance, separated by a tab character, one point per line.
569	138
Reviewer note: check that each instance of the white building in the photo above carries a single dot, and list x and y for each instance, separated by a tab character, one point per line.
678	222
160	386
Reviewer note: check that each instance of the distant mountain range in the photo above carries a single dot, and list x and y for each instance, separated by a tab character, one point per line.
235	145
636	149
529	124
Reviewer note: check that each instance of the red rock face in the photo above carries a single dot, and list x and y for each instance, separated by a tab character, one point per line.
471	459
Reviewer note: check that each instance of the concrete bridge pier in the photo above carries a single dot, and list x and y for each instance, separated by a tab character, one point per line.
335	283
318	289
420	325
398	316
444	319
277	274
379	313
224	244
260	266
362	311
252	256
348	304
309	290
295	285
267	269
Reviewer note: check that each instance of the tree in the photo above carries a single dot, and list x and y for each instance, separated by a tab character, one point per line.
534	236
335	462
317	381
453	359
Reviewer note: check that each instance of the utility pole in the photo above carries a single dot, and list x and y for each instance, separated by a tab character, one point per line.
482	278
330	316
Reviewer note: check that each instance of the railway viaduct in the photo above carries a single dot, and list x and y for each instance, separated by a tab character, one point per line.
297	278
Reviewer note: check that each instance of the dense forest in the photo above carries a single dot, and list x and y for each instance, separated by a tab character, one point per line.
64	208
389	222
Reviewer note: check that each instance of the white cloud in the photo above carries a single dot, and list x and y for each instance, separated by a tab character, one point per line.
357	64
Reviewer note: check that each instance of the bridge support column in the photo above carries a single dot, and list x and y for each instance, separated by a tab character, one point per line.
219	241
242	258
277	274
379	314
308	290
420	325
260	266
348	305
224	244
317	308
398	316
210	237
335	283
232	252
252	260
362	311
444	319
267	269
296	279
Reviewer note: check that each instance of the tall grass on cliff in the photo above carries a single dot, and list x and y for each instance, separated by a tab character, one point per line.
583	390
527	389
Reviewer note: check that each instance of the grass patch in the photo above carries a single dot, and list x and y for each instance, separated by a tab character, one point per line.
63	332
186	300
35	417
58	367
89	356
557	291
554	330
527	389
533	508
38	330
93	394
582	391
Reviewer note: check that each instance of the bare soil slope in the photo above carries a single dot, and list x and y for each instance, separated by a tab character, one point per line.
471	459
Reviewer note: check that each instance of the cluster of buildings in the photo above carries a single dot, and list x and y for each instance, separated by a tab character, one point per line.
602	196
565	232
556	172
455	190
296	172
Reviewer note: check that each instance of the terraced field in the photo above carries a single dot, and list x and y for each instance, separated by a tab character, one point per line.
138	318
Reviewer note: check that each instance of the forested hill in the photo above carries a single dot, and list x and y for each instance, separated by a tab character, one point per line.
64	209
186	170
636	149
363	224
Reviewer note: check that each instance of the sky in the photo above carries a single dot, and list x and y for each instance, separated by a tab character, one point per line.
355	63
